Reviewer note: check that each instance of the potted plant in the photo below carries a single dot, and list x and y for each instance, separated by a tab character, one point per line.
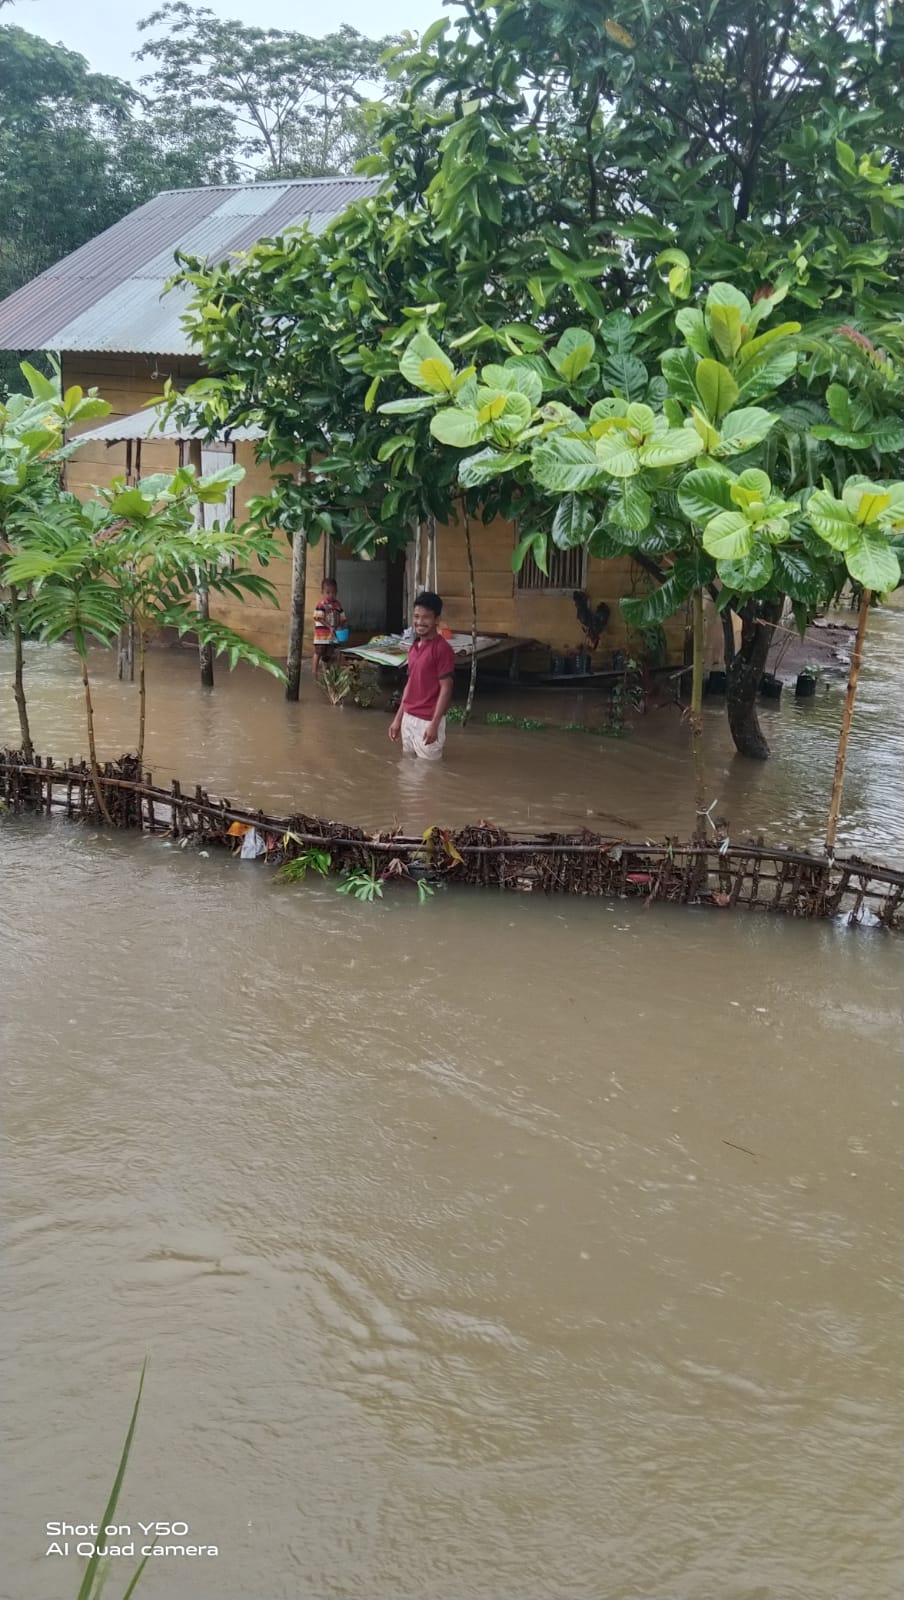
771	686
807	679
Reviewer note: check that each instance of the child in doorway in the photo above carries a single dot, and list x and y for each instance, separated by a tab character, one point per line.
328	617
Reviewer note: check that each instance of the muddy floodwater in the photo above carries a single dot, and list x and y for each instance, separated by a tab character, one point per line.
490	1248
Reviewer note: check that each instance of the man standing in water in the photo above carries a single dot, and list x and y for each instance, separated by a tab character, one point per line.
420	721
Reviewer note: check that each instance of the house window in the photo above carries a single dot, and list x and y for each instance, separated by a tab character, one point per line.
567	571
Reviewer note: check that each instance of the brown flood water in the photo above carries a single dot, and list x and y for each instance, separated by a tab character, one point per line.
482	1249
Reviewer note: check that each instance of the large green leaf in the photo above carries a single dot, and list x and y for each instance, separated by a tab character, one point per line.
704	493
725	294
632	509
671	447
728	536
872	562
626	374
663	602
516	377
617	330
426	366
515	417
132	503
574	521
749	575
679	369
535	545
840	410
606	545
743	429
487	464
831	519
566	465
798	575
611	406
458	428
692	324
726	331
716	388
616	454
405	408
573	352
754	349
762	378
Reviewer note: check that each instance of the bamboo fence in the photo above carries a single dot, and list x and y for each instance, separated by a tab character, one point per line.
717	872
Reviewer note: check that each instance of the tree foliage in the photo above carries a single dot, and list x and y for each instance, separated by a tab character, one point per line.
286	105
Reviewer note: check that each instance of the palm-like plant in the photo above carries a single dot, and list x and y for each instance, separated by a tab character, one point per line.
134	553
32	451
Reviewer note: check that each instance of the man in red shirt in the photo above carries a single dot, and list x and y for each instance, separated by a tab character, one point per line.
420	721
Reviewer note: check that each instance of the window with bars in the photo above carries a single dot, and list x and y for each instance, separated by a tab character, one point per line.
567	571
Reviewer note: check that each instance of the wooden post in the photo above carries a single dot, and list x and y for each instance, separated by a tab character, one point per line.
846	719
296	613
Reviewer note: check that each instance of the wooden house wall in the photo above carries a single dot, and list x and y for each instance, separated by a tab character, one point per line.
129	382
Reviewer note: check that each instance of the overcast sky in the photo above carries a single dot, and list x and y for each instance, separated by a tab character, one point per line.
106	31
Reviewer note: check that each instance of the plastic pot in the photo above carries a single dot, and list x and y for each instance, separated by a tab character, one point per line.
557	664
342	635
805	687
717	682
770	686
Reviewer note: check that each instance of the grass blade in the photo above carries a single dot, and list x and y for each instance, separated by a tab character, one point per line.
87	1583
134	1583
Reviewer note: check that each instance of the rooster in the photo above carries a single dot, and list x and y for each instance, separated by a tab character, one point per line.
593	619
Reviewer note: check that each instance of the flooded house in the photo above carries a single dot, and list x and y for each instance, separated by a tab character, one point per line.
106	312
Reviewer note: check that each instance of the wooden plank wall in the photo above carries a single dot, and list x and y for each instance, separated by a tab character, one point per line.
547	617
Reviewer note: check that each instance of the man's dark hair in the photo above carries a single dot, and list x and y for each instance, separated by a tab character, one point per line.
430	602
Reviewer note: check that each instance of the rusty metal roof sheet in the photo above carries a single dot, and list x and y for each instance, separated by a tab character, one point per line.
108	295
150	425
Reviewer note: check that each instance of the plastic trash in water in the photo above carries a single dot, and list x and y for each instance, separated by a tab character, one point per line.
252	846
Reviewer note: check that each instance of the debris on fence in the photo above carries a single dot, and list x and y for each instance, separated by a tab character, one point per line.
719	873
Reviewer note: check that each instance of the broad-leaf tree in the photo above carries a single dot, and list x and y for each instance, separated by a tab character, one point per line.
550	160
295	106
683	478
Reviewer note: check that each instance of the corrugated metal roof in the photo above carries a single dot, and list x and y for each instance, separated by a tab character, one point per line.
147	425
107	294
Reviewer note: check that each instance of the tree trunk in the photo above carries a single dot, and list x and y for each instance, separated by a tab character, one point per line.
142	696
19	678
125	655
846	718
205	651
744	676
472	681
296	613
92	747
696	715
190	454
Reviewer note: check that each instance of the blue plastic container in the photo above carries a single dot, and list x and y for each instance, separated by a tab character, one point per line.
342	636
